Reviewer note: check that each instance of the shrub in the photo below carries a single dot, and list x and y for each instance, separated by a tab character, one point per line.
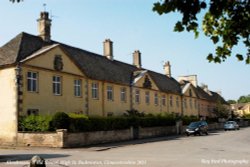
74	115
116	123
134	113
79	125
188	119
35	123
60	120
246	116
212	120
157	120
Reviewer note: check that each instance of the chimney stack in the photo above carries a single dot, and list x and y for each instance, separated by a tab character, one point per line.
190	78
137	58
44	25
108	49
167	68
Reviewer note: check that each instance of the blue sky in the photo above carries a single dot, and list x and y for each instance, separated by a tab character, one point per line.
131	25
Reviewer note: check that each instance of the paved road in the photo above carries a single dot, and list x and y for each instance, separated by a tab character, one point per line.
218	149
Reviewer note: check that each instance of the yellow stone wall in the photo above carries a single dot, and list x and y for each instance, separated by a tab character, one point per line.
203	110
44	100
8	105
47	103
95	106
176	106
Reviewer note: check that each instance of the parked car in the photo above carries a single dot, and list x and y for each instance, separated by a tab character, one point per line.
200	127
231	125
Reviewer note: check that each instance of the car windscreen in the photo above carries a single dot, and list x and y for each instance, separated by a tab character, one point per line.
193	124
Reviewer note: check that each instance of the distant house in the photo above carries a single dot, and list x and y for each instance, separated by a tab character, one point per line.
198	100
41	76
241	109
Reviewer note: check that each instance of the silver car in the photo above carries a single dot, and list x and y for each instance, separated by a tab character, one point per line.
231	125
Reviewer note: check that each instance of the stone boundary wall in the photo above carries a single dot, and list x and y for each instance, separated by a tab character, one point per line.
156	132
63	139
37	139
90	138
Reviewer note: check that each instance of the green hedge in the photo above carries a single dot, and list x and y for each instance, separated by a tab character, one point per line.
186	120
82	123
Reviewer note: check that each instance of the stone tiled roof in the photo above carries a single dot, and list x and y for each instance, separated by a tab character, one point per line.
93	65
201	94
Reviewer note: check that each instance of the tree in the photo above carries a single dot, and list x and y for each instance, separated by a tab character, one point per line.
231	101
244	99
226	23
221	111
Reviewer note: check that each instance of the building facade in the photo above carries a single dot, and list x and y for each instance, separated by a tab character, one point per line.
42	76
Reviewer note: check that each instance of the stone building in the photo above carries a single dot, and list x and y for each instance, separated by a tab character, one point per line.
41	76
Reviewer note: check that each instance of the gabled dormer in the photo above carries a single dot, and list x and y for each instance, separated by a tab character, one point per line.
142	79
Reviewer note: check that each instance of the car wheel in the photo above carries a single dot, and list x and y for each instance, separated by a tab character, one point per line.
206	133
225	129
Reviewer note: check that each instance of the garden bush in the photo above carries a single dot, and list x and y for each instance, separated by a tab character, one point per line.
157	120
35	123
60	120
188	119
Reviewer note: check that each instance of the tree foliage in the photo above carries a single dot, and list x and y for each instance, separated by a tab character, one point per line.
231	101
226	23
15	1
244	99
221	111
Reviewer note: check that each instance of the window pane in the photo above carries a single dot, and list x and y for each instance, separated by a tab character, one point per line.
77	88
32	81
57	85
94	90
123	94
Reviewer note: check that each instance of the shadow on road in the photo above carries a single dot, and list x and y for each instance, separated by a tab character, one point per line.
104	147
108	146
27	157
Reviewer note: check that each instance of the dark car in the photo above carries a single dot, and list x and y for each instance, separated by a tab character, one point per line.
231	125
200	127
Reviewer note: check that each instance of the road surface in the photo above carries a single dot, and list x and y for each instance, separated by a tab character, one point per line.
218	149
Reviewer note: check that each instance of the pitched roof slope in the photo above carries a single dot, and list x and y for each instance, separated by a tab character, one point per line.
165	83
19	48
93	65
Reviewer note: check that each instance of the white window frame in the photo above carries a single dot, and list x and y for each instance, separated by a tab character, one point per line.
57	85
163	100
137	96
78	87
95	90
156	99
123	94
110	93
32	81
